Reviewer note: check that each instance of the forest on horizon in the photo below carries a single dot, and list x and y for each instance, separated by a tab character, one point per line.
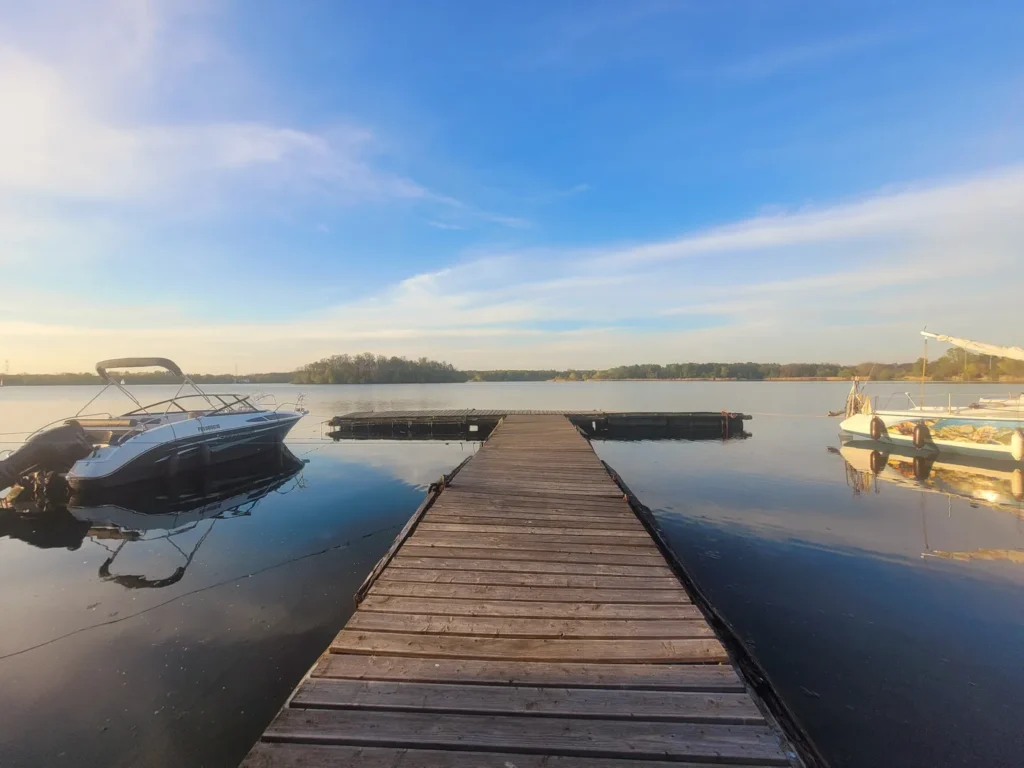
367	368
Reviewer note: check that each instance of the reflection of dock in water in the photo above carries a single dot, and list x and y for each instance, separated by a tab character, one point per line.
527	616
471	424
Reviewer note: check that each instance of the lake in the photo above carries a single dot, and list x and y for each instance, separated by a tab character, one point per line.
888	611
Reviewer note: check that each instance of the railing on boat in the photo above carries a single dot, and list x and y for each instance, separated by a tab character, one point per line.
1008	402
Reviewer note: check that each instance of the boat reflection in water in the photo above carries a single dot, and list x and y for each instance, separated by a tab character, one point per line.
117	517
993	483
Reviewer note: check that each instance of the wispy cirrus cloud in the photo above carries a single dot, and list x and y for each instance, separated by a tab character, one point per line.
555	195
58	144
776	61
576	42
921	212
81	126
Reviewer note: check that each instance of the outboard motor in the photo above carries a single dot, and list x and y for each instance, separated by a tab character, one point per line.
55	450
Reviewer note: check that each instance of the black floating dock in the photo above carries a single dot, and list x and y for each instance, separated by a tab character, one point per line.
470	424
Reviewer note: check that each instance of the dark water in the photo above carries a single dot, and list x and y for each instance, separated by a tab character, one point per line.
890	616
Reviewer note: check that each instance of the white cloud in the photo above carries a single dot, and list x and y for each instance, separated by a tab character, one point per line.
83	146
848	282
55	144
930	213
81	123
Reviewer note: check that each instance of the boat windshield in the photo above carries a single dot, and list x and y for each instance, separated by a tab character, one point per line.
215	403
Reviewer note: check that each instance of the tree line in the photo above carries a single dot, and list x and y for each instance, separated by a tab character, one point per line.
954	365
158	377
516	375
366	368
377	369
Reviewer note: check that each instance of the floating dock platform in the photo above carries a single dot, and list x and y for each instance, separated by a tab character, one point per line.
526	616
470	424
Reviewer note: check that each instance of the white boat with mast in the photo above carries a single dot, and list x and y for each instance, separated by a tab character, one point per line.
985	426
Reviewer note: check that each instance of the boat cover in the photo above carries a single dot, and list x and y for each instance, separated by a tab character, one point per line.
137	362
979	347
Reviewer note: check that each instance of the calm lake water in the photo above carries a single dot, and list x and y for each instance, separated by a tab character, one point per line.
888	614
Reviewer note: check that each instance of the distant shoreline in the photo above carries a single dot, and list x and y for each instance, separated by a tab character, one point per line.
367	368
807	379
793	379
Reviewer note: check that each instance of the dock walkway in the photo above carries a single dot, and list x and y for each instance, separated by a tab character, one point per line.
528	620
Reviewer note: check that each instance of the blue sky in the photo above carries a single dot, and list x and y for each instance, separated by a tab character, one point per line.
522	184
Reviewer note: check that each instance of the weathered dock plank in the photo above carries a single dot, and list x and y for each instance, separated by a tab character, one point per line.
499	579
506	543
542	555
271	755
528	610
663	677
594	629
535	520
527	618
528	594
530	735
613	704
531	566
693	651
634	537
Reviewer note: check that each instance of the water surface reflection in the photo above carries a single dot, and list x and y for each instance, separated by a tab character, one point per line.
887	657
165	629
885	604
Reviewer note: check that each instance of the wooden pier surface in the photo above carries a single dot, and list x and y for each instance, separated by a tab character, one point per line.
528	620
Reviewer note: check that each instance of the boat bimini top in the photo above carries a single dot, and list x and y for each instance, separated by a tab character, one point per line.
211	403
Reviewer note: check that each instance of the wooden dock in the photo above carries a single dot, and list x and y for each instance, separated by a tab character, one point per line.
524	618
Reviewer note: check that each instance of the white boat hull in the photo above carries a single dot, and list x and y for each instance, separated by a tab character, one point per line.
982	435
168	449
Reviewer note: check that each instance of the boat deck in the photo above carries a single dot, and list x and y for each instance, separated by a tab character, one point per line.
524	618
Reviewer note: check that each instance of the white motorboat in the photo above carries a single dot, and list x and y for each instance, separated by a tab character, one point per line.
187	431
988	426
